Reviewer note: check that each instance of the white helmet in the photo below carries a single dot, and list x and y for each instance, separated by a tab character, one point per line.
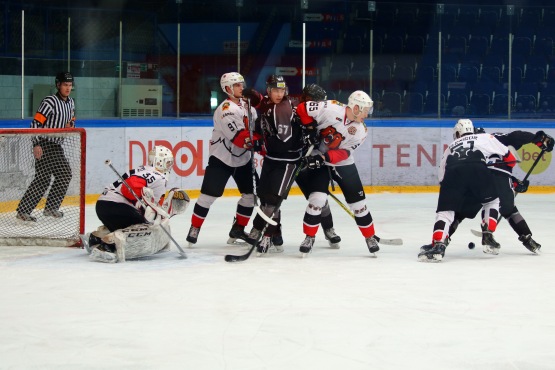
161	158
464	126
361	99
230	79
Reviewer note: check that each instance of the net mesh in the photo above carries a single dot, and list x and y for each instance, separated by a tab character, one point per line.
49	190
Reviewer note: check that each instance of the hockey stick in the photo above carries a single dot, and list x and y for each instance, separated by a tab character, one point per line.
479	233
395	241
109	163
253	167
244	257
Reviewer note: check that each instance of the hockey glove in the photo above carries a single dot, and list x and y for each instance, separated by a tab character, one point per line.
314	161
520	186
253	95
151	216
310	134
543	141
243	140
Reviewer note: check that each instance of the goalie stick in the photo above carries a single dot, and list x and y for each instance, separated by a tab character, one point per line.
244	257
395	241
479	233
109	164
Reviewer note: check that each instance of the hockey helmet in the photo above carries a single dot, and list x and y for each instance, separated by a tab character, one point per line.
230	79
276	82
361	99
64	77
161	158
313	92
463	127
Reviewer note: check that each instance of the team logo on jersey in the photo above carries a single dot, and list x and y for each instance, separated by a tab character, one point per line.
225	106
331	137
352	130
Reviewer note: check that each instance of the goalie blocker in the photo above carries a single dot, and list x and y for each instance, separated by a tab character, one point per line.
140	240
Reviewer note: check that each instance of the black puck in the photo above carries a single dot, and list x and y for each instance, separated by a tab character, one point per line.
471	245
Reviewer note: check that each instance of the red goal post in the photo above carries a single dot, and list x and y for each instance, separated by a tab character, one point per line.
17	171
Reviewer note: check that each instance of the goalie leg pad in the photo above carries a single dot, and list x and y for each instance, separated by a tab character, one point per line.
140	240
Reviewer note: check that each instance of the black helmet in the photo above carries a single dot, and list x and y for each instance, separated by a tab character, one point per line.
64	77
276	81
314	92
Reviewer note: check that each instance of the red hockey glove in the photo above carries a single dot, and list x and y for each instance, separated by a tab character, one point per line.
520	186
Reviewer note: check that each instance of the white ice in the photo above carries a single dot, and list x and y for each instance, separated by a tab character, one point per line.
334	309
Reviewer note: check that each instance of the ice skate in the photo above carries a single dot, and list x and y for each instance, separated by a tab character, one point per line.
264	245
53	213
237	235
25	217
373	246
489	245
306	245
277	238
434	254
253	236
192	237
427	247
530	243
332	238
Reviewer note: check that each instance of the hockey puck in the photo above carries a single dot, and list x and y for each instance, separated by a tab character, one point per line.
471	245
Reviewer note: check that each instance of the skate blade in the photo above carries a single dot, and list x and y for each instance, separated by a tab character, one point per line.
373	255
334	245
237	242
190	245
304	255
489	250
436	258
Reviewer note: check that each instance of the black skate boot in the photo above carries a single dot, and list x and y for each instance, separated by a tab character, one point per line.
427	247
25	217
332	238
236	233
192	237
435	254
306	245
489	245
254	236
372	244
530	243
277	238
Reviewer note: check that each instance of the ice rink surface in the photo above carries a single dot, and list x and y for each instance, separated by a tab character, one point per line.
334	309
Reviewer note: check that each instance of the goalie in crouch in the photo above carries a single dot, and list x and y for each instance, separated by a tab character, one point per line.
129	229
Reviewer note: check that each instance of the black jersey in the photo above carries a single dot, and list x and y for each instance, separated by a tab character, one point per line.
516	139
281	129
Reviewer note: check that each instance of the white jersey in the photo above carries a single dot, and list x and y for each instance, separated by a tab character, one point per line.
154	180
335	130
471	149
230	118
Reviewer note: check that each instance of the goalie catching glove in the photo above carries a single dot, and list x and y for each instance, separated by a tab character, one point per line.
544	141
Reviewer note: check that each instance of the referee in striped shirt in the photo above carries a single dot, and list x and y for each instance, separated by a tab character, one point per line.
55	112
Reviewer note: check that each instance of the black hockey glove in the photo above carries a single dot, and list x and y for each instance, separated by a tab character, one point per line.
520	186
253	95
543	141
310	134
314	161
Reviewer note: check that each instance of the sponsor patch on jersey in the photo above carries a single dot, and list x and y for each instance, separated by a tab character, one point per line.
225	106
352	130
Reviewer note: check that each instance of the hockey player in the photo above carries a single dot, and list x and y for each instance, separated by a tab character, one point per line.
52	168
507	186
314	92
129	229
283	142
339	130
230	156
462	171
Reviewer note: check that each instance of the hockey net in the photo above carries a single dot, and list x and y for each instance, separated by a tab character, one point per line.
17	171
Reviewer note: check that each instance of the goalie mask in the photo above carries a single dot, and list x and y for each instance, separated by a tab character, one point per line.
463	127
161	158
